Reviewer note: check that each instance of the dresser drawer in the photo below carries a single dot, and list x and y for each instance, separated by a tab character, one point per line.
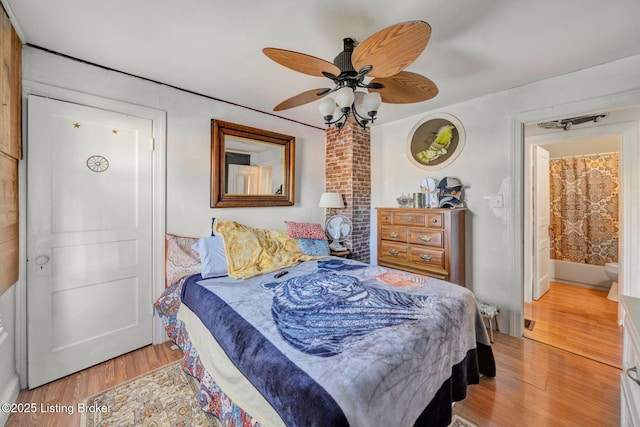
435	220
426	256
427	241
423	236
394	251
397	234
410	218
385	217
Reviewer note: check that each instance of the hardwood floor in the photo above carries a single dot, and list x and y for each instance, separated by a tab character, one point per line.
536	385
73	389
577	319
539	385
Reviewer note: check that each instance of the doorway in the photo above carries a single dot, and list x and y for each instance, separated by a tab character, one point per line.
155	128
89	236
572	311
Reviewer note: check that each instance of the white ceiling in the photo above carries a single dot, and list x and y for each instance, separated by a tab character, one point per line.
214	47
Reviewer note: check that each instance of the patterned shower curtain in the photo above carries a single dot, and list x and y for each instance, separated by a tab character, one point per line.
584	209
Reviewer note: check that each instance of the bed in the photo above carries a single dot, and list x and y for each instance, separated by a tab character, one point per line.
332	342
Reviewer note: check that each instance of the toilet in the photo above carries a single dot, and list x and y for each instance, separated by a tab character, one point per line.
611	270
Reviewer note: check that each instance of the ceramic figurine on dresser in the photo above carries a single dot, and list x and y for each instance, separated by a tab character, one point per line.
430	187
446	193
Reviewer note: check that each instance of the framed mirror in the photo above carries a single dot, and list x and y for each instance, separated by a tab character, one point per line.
250	167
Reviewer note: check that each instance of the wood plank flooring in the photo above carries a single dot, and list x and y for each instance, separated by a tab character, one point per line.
577	319
74	388
536	385
539	385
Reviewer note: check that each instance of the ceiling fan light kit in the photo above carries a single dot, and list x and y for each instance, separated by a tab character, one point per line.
382	56
344	104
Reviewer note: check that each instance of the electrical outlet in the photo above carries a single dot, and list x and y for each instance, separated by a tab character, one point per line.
498	201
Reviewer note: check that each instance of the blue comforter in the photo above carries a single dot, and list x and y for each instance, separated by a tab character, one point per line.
336	342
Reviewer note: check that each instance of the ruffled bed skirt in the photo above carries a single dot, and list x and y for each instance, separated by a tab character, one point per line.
210	397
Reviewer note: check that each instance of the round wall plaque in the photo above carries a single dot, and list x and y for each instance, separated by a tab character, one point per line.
435	141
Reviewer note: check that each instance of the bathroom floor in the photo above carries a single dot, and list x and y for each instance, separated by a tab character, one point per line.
579	320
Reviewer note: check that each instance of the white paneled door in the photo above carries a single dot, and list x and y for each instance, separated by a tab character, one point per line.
541	206
89	236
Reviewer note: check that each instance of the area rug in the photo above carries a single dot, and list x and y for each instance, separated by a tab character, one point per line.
163	397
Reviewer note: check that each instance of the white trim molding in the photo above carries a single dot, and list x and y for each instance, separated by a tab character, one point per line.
9	395
3	333
630	155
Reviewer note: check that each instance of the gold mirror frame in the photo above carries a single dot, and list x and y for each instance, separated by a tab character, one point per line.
219	198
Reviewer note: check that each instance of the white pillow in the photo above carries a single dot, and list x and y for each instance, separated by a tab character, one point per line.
212	256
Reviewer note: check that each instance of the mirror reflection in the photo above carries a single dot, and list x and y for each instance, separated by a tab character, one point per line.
253	167
250	167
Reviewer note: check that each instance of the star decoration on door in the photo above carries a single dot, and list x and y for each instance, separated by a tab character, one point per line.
76	125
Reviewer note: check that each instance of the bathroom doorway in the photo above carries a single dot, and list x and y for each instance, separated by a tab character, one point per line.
567	298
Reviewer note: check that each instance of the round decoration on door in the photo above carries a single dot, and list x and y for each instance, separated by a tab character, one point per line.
97	163
435	141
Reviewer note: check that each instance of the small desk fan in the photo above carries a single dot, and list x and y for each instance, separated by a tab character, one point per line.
338	228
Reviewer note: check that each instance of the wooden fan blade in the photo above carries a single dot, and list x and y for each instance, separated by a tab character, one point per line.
392	49
301	62
405	88
301	99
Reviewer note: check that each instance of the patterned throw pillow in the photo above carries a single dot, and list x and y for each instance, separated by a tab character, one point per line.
305	230
180	258
316	247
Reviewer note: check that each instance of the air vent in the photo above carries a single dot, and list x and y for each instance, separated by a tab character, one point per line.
567	124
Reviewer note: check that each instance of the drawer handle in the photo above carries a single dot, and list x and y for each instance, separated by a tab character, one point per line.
426	258
393	235
425	238
633	377
435	220
393	252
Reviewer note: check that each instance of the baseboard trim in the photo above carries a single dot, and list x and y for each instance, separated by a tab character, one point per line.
582	285
9	395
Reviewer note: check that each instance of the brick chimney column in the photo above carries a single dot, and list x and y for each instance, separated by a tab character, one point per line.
348	172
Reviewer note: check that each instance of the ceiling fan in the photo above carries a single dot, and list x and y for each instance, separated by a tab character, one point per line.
382	56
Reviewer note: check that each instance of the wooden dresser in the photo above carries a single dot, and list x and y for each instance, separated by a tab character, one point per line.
424	241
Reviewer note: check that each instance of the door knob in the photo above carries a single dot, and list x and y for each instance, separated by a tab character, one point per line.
41	260
42	266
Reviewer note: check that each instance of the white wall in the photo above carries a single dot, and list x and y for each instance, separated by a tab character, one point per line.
486	167
188	143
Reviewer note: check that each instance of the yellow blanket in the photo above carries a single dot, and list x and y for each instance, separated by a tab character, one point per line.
252	251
